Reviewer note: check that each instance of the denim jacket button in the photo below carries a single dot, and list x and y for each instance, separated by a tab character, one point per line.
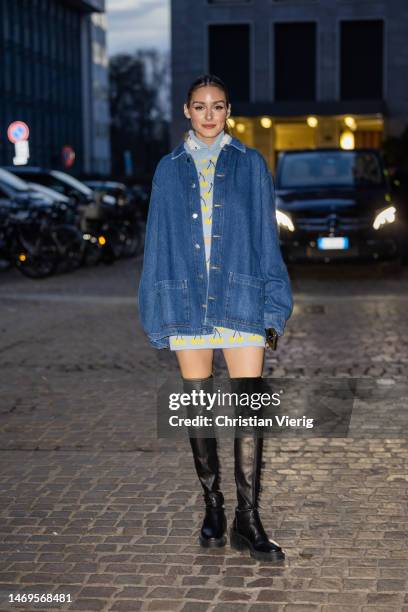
193	185
197	246
194	215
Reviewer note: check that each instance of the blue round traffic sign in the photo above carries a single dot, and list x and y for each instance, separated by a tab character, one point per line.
17	131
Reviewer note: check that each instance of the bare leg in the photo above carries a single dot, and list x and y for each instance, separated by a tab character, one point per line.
244	361
195	363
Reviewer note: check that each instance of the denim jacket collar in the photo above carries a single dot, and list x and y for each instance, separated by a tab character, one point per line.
180	149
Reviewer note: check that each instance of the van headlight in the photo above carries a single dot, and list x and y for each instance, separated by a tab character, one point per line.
385	216
284	221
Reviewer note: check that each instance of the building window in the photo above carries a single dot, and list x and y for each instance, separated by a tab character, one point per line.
295	61
229	58
361	60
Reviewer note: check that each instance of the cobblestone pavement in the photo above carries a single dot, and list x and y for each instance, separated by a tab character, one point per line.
93	505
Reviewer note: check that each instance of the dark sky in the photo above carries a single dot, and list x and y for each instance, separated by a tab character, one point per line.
134	24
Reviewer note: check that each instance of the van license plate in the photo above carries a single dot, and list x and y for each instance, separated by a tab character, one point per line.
332	242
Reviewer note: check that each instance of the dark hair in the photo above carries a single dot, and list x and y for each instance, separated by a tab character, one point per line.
209	79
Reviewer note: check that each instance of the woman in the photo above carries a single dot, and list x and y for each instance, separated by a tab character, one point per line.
213	277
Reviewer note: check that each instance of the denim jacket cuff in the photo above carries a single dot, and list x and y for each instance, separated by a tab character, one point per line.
275	321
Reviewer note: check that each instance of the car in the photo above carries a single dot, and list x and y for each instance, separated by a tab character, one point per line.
15	189
140	196
335	204
55	196
55	179
110	188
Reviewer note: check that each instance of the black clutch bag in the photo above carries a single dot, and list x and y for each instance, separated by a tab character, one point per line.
272	338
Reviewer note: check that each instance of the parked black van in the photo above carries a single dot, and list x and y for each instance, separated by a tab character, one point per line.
334	204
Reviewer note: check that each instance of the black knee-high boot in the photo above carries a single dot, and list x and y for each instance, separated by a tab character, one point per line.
247	531
206	462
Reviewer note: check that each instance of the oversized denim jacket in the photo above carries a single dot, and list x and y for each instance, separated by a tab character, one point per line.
247	287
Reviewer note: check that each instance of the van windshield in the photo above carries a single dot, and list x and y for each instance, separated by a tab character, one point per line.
330	169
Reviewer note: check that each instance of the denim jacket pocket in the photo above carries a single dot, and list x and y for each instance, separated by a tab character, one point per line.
245	298
174	302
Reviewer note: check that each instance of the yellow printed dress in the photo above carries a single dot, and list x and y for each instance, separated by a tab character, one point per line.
205	157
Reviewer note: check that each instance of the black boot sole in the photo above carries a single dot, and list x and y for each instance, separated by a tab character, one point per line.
239	542
212	542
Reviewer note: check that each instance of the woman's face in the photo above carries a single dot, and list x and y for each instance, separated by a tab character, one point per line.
208	112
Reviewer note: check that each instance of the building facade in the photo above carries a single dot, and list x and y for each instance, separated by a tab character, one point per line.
54	78
301	73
